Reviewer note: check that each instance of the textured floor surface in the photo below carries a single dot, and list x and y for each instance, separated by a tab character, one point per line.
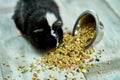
12	45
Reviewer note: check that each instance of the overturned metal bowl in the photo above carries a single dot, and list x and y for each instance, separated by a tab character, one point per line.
85	16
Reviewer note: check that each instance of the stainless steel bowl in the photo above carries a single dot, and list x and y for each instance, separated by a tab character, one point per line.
85	16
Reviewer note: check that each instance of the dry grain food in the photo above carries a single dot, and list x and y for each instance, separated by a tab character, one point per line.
71	53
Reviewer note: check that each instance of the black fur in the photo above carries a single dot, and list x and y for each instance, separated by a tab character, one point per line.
29	17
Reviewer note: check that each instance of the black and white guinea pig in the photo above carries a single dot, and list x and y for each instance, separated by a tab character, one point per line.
40	21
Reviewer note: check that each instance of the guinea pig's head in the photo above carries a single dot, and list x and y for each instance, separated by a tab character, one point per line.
45	32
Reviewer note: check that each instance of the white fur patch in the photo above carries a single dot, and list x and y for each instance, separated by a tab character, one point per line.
51	18
53	34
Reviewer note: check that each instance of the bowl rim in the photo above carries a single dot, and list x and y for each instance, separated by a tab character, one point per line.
92	13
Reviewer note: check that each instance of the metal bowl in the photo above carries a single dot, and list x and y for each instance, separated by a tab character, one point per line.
85	16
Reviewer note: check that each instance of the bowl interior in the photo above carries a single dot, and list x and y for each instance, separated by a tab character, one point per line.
89	21
86	19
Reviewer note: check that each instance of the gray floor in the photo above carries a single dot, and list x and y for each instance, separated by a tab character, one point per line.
12	45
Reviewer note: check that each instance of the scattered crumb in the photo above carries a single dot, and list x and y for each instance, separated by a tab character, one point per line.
70	55
83	70
109	62
51	76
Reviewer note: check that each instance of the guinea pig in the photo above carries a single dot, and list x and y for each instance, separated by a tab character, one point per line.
40	22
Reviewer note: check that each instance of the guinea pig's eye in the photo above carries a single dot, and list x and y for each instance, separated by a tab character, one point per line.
57	24
38	30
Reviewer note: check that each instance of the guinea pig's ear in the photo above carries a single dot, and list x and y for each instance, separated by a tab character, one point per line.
57	24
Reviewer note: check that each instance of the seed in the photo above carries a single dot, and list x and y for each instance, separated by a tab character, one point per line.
24	61
91	60
35	75
74	79
51	76
83	70
66	76
7	65
19	75
100	72
108	62
8	76
16	57
97	60
23	55
3	63
73	73
34	78
77	70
